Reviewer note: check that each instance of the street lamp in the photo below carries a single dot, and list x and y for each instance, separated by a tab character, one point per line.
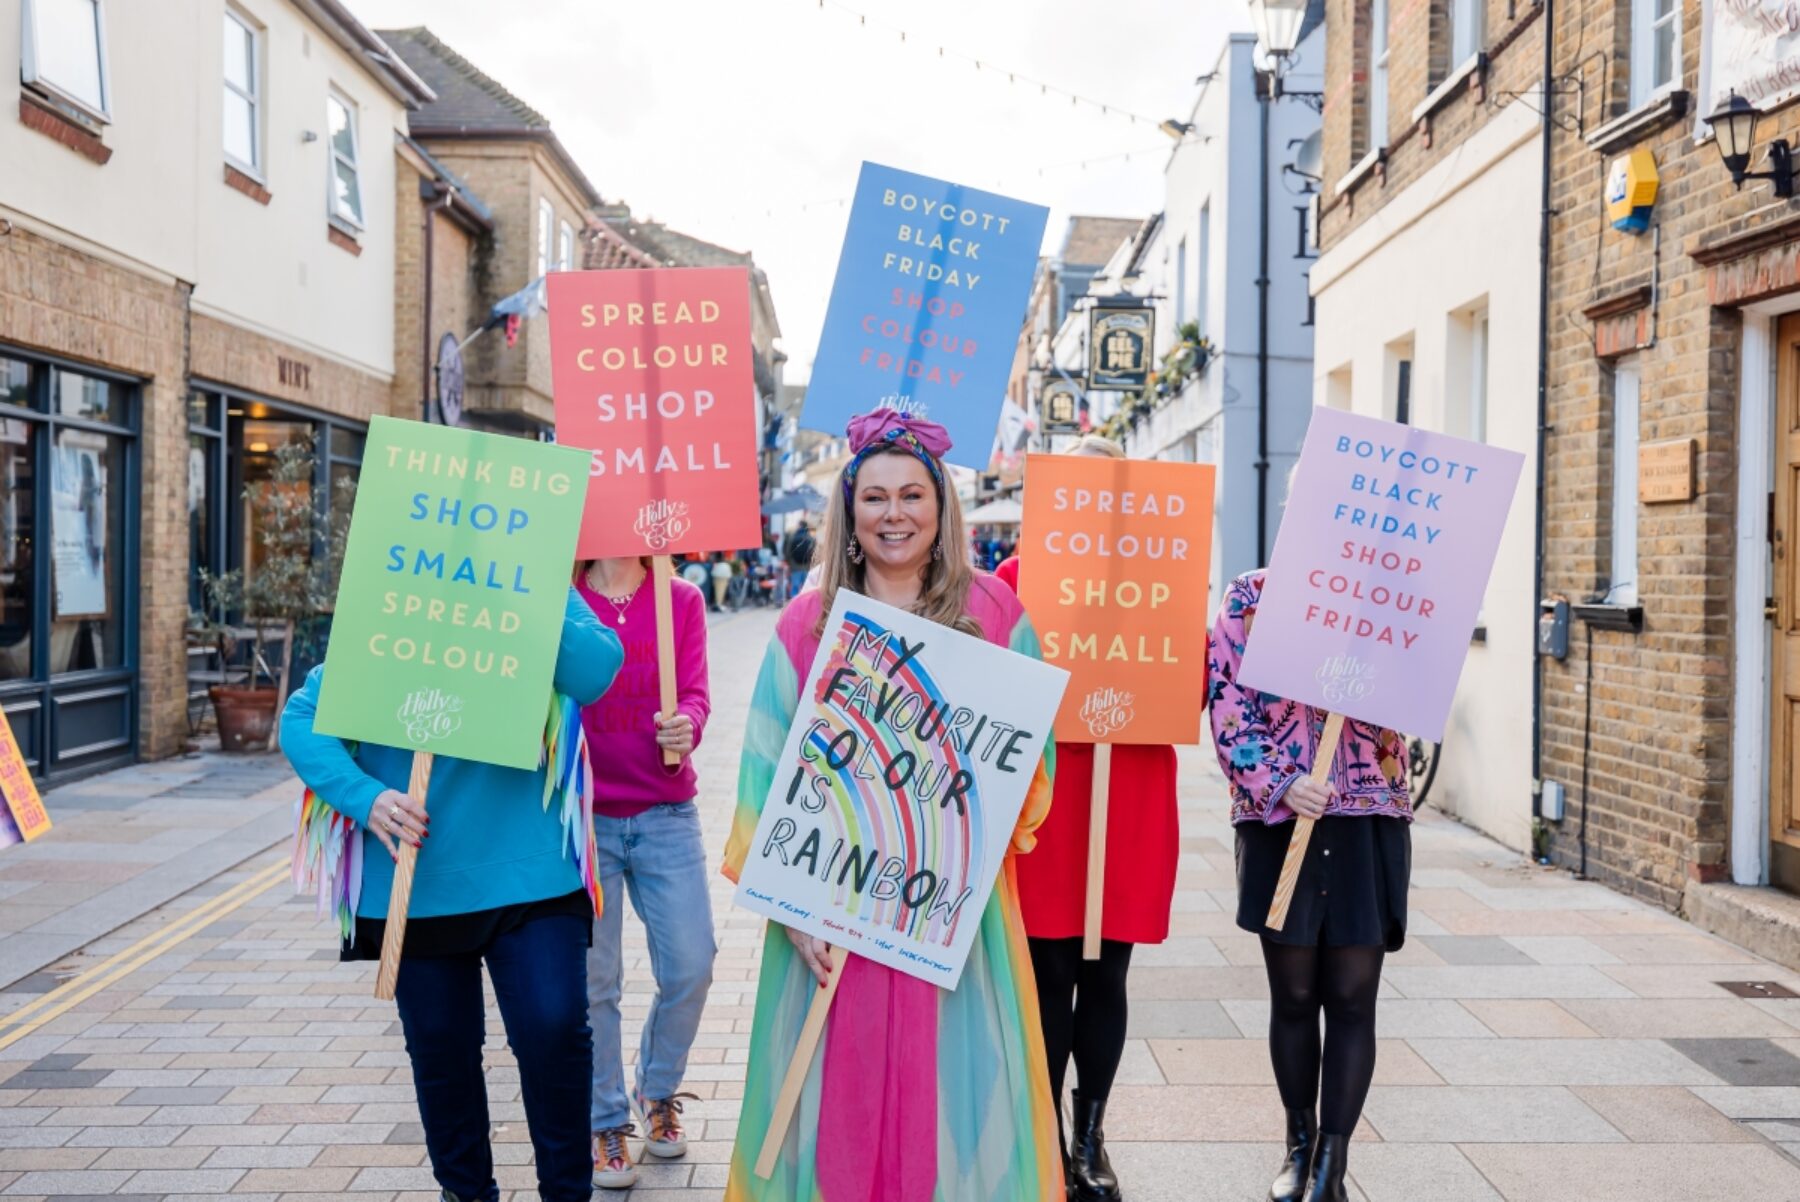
1734	132
1278	24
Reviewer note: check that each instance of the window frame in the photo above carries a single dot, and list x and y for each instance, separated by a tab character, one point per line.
253	98
353	224
546	233
1641	85
1468	32
565	246
1181	281
1622	541
1377	107
1480	333
32	77
1203	266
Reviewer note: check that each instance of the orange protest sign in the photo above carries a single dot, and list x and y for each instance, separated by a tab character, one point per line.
19	790
1114	560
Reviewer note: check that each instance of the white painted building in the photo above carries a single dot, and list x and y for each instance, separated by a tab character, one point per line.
1407	306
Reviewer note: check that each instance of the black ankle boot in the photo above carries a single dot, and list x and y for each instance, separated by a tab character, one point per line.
1302	1135
1062	1150
1091	1174
1326	1183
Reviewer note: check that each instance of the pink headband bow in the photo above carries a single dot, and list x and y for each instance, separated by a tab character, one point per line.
866	429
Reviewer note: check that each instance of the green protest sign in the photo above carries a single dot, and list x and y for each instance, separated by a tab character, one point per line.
456	579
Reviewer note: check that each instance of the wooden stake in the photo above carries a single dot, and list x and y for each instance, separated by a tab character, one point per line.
788	1099
662	569
1101	795
400	897
1303	827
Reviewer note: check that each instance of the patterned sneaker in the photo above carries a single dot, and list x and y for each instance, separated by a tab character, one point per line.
612	1158
665	1139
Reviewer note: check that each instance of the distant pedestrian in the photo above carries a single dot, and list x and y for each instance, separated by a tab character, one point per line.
1082	1003
495	885
1327	958
918	1093
721	581
647	840
799	554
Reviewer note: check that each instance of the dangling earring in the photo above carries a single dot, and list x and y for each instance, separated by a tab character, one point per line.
937	550
855	552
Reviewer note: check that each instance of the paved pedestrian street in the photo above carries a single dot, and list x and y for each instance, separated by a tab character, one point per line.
1542	1038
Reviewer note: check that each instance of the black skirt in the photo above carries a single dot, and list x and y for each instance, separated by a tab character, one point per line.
1352	887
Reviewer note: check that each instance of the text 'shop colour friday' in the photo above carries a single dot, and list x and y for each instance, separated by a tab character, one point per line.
924	316
896	795
1376	582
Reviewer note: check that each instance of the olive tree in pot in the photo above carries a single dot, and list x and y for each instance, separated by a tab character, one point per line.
293	579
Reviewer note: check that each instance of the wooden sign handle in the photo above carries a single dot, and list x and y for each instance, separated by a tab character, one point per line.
782	1117
394	938
662	569
1096	868
1303	827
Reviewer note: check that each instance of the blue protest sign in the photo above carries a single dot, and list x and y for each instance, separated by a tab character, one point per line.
924	316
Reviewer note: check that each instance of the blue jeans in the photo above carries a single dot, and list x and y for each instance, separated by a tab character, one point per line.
660	858
536	970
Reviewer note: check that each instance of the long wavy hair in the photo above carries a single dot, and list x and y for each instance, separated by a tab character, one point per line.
944	582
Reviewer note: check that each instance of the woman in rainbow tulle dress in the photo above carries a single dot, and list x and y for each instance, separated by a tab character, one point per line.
918	1094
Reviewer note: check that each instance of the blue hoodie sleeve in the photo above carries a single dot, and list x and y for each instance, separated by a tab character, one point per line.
323	761
587	660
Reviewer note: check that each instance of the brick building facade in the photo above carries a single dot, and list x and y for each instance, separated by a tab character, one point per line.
1668	349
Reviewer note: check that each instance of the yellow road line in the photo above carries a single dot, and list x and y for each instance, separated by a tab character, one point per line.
58	1001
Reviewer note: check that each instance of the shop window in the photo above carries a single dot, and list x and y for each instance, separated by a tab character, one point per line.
64	53
96	400
546	224
1624	552
1467	30
18	531
346	186
87	518
15	382
1655	49
1396	390
565	247
243	94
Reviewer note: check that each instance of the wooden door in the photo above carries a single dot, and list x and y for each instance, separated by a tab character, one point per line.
1784	529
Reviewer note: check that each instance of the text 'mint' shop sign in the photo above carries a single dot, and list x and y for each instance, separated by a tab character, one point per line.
1376	582
456	579
910	756
652	373
924	315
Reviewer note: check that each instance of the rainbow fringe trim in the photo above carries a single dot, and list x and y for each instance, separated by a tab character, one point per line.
328	857
569	782
328	848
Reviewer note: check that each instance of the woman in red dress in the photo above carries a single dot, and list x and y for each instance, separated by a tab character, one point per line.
1082	1002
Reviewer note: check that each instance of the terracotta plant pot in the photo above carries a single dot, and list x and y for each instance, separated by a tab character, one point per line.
246	716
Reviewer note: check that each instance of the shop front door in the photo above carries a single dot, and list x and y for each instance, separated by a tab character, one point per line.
1784	728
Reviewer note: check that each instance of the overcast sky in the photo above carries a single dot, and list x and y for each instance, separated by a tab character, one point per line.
733	119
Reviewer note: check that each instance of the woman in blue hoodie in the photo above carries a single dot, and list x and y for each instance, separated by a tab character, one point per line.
497	881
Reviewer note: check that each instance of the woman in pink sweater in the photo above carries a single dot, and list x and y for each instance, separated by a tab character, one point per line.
647	832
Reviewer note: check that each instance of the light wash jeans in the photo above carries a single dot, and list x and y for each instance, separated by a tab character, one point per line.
660	858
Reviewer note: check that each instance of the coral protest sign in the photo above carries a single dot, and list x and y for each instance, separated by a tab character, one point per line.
924	317
456	580
652	373
897	791
25	817
1114	562
1385	549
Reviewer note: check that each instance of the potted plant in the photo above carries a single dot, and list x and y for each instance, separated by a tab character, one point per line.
294	580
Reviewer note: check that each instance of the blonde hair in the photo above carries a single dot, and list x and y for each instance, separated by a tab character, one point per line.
1098	444
947	577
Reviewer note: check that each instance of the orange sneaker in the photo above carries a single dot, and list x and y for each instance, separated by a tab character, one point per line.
664	1138
612	1158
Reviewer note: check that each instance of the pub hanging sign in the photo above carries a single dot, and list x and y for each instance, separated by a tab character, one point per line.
1062	405
1119	346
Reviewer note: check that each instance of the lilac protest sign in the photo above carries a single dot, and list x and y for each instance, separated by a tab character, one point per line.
1376	582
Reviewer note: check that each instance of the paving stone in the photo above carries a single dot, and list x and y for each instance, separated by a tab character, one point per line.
1560	1062
1661	1114
1175	1018
1453	1114
1674	1018
1391	1172
1754	1062
1475	949
1690	1172
1528	1018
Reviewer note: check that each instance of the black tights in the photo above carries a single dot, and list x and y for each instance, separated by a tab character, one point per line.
1082	1006
1343	982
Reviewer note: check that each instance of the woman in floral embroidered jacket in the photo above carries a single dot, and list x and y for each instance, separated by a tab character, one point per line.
1349	906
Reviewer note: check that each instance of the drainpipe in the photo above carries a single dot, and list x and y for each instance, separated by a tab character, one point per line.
1264	86
442	201
1545	213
